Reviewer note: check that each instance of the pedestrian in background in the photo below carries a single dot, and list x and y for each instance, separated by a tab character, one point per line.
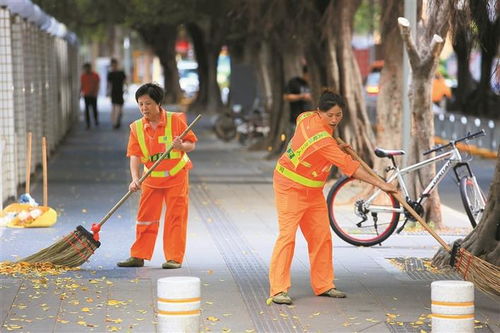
168	183
298	183
116	82
89	88
298	93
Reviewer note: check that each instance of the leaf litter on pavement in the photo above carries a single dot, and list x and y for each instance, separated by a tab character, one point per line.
46	295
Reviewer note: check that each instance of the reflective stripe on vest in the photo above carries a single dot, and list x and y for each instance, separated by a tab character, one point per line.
142	142
294	156
304	116
167	138
298	178
172	172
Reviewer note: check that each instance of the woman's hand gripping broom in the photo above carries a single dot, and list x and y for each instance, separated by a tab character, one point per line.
75	248
484	275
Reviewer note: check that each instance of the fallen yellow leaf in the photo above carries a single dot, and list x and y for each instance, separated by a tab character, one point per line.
12	327
212	318
116	321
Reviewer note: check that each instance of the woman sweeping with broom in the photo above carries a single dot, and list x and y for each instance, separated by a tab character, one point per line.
298	183
149	137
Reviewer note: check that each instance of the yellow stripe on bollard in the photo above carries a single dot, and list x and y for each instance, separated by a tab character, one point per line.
452	303
178	313
185	300
467	316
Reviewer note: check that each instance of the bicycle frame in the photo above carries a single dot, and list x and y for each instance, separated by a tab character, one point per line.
454	159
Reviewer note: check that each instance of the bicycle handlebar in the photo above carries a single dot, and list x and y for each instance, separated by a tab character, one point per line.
452	142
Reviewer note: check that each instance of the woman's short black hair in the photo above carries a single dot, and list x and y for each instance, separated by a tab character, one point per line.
154	91
329	99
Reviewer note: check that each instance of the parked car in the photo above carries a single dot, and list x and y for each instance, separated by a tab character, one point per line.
188	77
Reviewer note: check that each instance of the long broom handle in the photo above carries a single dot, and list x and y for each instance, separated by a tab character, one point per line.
146	174
44	167
28	164
399	198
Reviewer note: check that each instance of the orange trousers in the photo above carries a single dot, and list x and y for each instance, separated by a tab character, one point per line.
305	208
148	218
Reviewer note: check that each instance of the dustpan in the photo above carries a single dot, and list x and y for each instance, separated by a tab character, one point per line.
39	216
27	215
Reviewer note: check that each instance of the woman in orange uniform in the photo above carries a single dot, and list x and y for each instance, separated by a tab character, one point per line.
298	182
168	183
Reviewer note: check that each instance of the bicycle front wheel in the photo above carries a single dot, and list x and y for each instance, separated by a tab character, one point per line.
473	199
358	216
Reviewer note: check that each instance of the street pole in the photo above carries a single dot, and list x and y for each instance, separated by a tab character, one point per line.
126	57
411	15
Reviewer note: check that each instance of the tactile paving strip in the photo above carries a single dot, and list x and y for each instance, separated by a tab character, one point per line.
249	271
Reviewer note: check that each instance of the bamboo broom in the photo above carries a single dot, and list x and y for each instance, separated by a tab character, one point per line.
483	274
75	248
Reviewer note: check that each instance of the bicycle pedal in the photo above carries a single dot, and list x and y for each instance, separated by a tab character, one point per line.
398	231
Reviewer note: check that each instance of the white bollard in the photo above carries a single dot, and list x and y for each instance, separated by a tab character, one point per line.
452	306
179	304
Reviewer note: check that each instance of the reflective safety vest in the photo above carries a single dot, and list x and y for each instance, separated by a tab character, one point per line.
166	139
296	156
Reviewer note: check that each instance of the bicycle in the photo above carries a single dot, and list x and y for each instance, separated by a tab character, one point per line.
364	215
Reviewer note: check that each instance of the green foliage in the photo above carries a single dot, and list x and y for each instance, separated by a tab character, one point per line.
367	17
89	19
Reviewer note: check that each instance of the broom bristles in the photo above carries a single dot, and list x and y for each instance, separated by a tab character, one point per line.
71	251
483	274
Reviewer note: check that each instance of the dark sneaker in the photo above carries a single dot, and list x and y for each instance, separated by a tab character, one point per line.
171	264
131	262
282	298
334	293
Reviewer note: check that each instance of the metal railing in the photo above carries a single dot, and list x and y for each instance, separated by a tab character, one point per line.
451	126
39	90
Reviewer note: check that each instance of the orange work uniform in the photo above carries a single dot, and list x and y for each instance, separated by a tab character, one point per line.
298	182
168	183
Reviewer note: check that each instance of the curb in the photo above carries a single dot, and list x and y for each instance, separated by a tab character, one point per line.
472	149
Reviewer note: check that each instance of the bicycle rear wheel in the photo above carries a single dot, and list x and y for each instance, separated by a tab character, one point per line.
357	222
473	199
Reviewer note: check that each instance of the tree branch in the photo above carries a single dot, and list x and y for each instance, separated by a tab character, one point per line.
404	29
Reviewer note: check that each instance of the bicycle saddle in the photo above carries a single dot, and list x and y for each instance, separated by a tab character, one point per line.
388	152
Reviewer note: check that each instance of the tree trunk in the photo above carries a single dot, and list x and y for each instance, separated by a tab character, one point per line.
200	52
316	64
484	240
389	101
345	77
462	46
161	39
271	66
207	52
423	62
